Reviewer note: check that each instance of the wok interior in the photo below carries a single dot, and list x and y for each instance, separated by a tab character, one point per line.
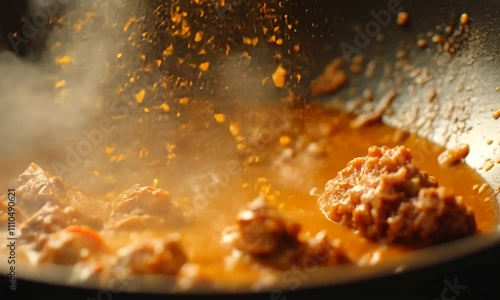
92	93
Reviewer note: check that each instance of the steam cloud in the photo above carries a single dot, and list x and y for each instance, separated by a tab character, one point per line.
34	117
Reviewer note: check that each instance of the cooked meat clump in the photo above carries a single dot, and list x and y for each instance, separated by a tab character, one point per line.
37	187
436	215
50	219
266	236
158	256
145	207
384	197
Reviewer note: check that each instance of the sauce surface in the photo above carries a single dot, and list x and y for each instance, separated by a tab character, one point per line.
295	184
212	168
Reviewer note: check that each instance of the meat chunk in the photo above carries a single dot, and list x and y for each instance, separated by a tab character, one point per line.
267	237
384	196
50	219
72	245
37	187
264	231
146	202
436	215
158	256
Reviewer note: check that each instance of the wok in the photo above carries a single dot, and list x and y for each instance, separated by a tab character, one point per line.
467	80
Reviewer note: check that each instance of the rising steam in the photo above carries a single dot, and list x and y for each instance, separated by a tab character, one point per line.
46	103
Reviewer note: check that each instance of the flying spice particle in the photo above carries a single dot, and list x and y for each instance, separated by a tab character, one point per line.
63	60
198	37
110	150
60	84
204	66
234	128
279	77
464	19
169	51
220	118
184	101
402	18
164	107
139	97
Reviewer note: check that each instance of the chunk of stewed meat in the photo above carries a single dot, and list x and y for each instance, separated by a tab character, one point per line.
139	201
269	238
50	219
163	256
435	216
385	197
37	187
72	245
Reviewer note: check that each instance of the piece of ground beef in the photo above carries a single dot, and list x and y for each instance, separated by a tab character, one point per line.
37	187
269	238
436	215
50	219
384	196
139	201
154	257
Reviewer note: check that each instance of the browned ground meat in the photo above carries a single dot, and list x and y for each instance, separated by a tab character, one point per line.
158	256
265	235
436	215
50	219
139	203
72	245
38	187
383	196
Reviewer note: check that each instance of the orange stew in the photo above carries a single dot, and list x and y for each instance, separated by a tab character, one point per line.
198	217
